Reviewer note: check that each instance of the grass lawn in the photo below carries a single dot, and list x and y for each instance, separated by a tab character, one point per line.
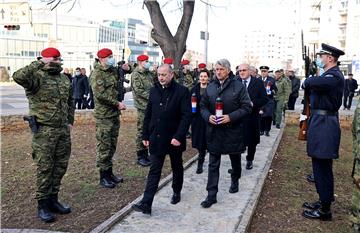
91	204
279	208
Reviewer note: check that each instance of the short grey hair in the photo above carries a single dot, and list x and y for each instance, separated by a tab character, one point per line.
224	63
252	68
171	70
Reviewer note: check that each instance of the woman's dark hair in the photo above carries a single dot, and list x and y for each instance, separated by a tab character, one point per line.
206	71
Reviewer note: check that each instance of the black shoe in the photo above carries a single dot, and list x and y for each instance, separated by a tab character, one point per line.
144	162
310	178
57	207
274	123
175	198
249	165
230	171
234	188
115	179
199	168
277	126
105	180
142	207
312	205
267	134
317	214
44	212
261	133
208	202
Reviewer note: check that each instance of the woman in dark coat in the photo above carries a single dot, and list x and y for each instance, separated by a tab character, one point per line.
198	124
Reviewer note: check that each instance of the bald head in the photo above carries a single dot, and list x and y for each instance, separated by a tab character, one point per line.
244	71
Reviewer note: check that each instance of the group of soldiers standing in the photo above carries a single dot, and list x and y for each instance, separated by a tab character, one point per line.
227	113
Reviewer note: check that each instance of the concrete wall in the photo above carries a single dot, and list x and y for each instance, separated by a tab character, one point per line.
16	122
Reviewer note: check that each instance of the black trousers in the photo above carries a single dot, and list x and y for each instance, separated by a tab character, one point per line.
265	124
291	103
153	179
324	179
346	103
213	175
251	149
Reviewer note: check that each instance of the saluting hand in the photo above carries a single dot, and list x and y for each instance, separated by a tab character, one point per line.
175	142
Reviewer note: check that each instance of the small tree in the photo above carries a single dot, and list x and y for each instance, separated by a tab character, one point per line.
171	46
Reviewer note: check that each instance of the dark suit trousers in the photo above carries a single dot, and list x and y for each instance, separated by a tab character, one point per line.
213	175
251	149
324	179
157	162
265	124
291	103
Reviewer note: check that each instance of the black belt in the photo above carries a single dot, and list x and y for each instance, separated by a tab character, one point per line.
323	112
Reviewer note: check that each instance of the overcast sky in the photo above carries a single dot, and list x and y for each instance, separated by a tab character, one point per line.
227	19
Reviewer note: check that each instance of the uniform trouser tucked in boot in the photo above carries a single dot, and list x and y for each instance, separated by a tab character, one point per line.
140	148
51	152
107	131
213	175
157	162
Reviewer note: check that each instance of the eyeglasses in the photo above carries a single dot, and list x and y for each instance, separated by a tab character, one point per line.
243	70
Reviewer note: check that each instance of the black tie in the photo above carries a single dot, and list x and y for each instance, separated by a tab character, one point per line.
244	82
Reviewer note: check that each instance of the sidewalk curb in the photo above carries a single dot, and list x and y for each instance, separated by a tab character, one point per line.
110	222
245	220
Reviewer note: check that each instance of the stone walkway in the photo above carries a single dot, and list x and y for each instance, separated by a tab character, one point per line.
232	213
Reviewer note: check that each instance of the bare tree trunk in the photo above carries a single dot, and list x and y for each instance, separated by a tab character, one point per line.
172	46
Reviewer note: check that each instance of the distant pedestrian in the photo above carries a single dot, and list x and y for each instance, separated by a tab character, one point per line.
349	91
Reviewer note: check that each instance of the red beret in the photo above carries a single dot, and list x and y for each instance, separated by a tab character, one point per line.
202	65
102	53
185	62
143	58
168	61
50	52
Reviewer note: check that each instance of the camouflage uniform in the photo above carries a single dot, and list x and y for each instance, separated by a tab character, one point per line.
355	218
184	79
104	83
141	82
284	89
50	100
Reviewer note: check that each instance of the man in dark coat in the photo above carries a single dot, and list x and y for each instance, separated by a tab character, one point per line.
80	89
167	119
323	135
267	111
295	86
349	90
224	128
257	94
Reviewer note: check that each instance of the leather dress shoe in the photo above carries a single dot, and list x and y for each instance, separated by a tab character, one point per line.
230	170
142	207
144	162
234	188
312	205
310	178
267	134
317	214
208	202
175	198
249	165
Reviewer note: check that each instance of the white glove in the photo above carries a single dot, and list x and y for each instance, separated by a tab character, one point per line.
303	117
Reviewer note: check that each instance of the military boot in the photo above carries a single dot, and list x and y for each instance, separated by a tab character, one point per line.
115	179
142	158
105	180
57	207
44	212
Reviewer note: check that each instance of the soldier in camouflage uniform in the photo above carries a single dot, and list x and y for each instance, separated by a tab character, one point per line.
355	218
141	82
104	83
283	85
51	104
187	77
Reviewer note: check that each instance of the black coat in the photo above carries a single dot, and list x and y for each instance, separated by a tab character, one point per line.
80	86
350	87
198	125
323	135
167	116
268	109
226	138
295	86
257	94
